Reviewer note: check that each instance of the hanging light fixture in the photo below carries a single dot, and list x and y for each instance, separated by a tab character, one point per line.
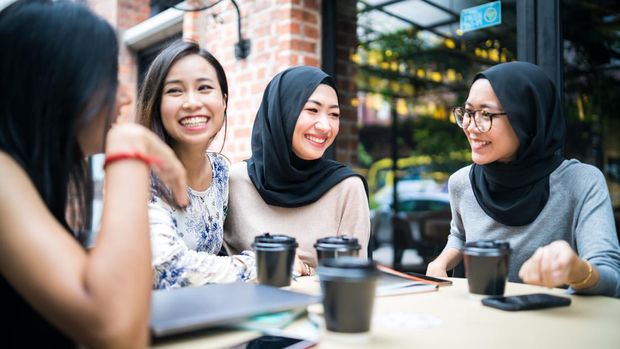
242	47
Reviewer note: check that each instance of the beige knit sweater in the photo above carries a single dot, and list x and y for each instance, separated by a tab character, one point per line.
343	210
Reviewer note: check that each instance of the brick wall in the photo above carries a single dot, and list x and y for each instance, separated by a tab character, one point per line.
124	14
283	33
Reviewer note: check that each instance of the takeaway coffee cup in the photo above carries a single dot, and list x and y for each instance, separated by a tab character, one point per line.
275	255
486	266
335	247
348	287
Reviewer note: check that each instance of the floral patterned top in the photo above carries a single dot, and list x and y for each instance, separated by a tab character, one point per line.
185	242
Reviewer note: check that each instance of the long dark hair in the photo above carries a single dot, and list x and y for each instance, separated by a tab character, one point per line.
150	95
59	71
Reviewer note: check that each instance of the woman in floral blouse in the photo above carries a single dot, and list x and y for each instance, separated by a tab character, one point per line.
183	100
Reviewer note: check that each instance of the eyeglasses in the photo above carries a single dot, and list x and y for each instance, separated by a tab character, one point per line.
483	120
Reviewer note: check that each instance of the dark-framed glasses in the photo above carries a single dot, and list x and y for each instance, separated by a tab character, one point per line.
483	120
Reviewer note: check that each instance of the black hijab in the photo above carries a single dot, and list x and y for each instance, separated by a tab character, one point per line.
514	193
282	178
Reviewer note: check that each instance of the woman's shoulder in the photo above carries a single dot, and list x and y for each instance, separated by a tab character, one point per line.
11	172
460	177
239	168
578	180
239	172
219	161
355	182
17	188
241	185
574	166
575	173
352	185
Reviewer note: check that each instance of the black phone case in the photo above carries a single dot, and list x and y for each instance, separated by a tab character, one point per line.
526	302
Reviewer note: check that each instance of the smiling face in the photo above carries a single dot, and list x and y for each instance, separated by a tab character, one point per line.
192	103
500	143
317	125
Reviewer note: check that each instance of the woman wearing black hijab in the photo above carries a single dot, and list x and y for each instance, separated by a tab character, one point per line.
287	187
556	213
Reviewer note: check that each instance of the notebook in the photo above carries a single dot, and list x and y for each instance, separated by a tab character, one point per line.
392	282
415	276
188	309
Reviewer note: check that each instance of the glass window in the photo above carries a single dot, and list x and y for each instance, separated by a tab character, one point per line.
414	65
591	86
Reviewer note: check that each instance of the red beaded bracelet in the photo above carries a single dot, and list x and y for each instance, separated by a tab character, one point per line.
149	160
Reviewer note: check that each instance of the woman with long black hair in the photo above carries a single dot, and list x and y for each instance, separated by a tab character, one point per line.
183	100
57	102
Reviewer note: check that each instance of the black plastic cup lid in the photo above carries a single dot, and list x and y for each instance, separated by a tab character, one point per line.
268	240
340	243
487	247
347	268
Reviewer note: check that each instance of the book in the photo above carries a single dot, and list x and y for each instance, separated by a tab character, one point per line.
271	321
389	284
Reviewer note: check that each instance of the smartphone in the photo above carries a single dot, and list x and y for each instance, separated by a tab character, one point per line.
274	342
526	302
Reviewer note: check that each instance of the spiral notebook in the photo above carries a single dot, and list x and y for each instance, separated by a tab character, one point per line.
189	309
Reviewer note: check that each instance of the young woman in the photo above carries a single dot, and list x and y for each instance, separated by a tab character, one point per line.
56	107
287	187
556	213
183	100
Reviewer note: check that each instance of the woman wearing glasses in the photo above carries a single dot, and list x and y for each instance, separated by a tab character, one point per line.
556	213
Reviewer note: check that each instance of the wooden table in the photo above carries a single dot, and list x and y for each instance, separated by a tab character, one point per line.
452	318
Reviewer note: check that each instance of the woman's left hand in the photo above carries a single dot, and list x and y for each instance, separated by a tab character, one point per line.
301	268
552	265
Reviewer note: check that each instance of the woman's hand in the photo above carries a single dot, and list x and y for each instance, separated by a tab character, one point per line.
436	269
554	265
129	137
447	260
302	269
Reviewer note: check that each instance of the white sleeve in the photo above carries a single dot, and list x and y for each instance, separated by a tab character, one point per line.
176	265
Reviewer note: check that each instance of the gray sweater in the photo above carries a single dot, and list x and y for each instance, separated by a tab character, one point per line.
578	211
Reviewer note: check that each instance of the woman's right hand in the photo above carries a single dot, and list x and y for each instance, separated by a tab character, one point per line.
129	137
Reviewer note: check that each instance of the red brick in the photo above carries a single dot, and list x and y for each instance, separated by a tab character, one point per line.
289	28
243	133
312	4
297	14
312	61
311	32
310	17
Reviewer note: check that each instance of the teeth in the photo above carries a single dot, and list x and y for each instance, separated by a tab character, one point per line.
194	121
479	143
316	139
